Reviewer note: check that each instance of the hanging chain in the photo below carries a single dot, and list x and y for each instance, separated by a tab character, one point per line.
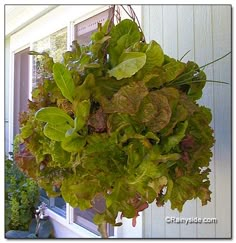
116	14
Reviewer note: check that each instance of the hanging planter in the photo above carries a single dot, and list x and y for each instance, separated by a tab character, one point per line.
118	119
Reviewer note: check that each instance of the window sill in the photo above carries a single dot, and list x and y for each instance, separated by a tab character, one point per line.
76	229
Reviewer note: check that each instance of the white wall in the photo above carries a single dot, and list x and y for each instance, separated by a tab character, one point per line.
206	31
6	88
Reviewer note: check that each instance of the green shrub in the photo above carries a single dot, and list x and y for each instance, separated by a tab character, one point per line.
21	197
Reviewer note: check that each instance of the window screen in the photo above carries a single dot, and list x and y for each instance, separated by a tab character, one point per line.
55	44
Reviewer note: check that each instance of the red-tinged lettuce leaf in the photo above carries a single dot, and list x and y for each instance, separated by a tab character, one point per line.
158	184
107	87
154	111
27	163
202	134
190	187
172	94
155	79
188	104
179	114
127	99
98	121
204	193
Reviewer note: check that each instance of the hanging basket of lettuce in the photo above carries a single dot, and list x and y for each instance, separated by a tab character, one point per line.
118	119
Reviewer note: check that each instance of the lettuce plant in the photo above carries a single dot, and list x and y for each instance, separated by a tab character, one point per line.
118	119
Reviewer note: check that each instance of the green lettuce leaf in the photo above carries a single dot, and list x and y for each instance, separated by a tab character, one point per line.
56	132
123	35
84	90
53	115
60	157
155	56
156	78
129	64
79	193
173	69
73	143
64	81
190	187
173	140
195	91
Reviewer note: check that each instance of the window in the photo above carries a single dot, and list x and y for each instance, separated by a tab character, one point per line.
85	218
57	204
84	29
21	85
55	44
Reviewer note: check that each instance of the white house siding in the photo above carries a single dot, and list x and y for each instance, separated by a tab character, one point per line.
206	31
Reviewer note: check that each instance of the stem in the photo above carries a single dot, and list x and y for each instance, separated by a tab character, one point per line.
102	228
184	55
216	60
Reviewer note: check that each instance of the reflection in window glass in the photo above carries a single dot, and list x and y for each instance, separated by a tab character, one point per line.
58	205
85	218
84	29
55	44
43	196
